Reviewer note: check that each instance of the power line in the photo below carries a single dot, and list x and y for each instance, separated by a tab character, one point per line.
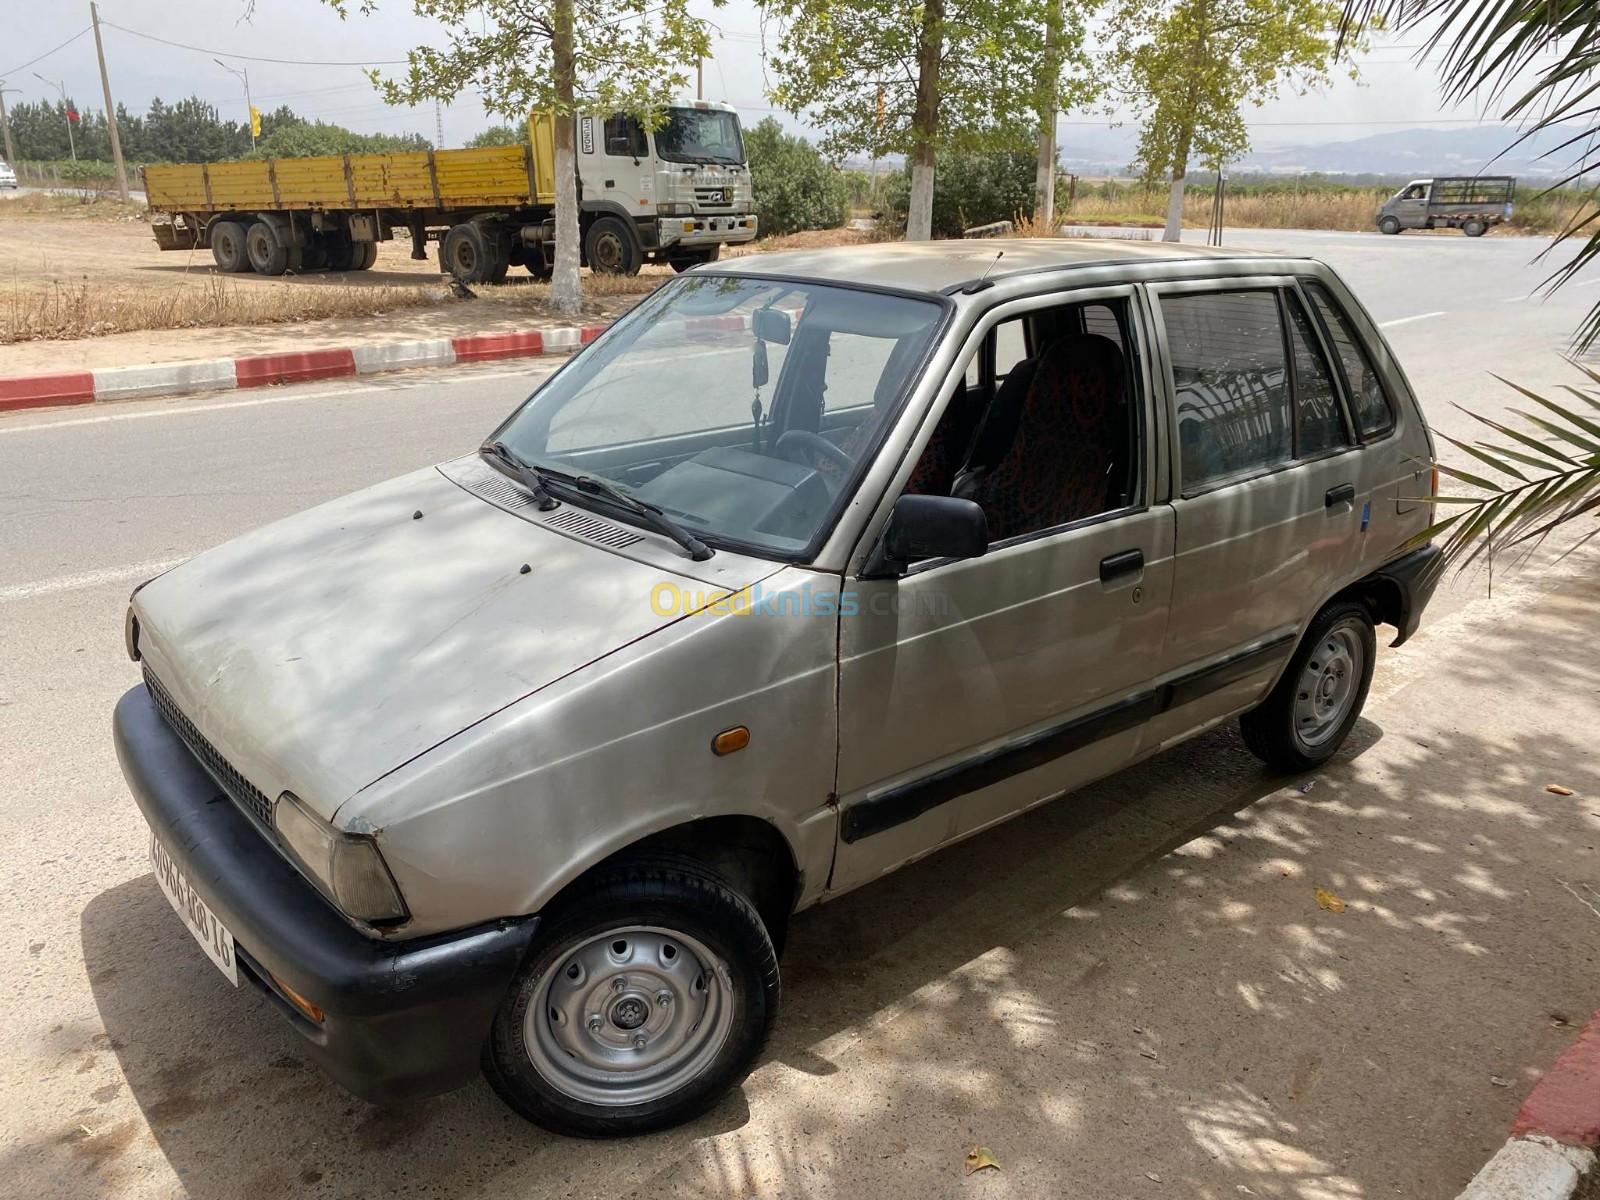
48	53
287	62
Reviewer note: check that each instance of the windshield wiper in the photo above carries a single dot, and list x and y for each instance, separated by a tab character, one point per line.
652	515
506	460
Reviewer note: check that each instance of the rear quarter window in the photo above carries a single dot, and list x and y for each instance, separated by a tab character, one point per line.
1369	400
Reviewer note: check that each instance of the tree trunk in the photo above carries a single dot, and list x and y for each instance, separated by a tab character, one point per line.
1049	85
1180	168
925	123
566	290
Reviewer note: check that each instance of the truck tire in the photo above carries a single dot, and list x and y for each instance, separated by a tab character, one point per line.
1474	228
366	255
228	247
1389	225
612	248
466	254
268	255
342	253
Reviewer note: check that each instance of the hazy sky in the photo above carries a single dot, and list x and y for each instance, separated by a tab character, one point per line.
1396	91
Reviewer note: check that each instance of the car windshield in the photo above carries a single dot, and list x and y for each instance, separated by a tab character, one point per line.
700	135
745	409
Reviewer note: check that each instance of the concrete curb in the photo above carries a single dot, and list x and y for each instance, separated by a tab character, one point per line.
226	374
1552	1151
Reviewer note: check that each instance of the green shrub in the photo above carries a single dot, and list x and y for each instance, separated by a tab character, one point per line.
795	187
970	188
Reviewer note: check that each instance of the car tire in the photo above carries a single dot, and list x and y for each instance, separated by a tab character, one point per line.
228	247
1310	711
658	960
1474	228
611	248
268	255
1389	225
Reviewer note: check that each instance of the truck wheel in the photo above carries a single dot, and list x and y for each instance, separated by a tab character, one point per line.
1474	229
611	248
1389	225
228	248
342	253
466	254
1306	717
647	995
366	254
268	255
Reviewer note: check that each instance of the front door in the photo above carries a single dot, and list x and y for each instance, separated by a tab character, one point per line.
1412	206
970	690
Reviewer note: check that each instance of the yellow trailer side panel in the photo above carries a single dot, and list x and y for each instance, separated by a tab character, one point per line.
176	188
476	178
392	180
240	185
542	137
311	182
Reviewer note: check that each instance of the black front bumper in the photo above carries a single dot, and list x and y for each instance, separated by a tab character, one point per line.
402	1019
1414	576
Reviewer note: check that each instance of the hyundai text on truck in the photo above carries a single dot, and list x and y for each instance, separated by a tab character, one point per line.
1470	204
676	194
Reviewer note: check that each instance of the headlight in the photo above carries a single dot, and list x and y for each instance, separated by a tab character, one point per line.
673	208
346	866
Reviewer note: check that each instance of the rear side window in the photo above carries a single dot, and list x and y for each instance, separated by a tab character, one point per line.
1315	394
1374	412
1232	384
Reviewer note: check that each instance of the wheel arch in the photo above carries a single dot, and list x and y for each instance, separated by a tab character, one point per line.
750	853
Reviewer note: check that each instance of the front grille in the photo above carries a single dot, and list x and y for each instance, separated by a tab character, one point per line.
714	197
240	790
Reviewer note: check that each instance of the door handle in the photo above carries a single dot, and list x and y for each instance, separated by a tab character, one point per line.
1114	566
1345	493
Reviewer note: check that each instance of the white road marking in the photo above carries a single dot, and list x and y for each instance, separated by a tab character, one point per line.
85	579
1403	320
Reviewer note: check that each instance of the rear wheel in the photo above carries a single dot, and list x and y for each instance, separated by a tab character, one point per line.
611	248
649	994
1306	717
228	247
1474	228
268	255
1389	225
366	253
466	254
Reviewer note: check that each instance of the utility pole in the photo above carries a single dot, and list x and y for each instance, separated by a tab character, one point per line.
250	108
438	125
699	79
5	124
111	110
65	111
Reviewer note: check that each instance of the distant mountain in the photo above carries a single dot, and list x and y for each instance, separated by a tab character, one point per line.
1407	153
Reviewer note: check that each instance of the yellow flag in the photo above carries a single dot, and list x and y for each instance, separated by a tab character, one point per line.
255	121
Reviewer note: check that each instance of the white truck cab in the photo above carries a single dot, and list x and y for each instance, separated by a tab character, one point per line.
678	192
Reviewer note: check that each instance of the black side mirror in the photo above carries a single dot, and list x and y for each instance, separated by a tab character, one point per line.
771	325
929	527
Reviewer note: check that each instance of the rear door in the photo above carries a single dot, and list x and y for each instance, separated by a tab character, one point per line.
1266	489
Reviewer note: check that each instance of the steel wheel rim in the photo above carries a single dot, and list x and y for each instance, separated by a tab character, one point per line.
629	1016
608	252
1326	689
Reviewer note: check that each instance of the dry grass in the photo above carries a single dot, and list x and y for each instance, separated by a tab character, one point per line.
76	310
76	206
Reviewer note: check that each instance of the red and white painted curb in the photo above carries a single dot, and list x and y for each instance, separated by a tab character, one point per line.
1556	1136
226	374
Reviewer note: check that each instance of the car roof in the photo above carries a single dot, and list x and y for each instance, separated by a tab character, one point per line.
948	265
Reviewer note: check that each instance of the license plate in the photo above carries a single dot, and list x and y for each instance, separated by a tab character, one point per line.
211	933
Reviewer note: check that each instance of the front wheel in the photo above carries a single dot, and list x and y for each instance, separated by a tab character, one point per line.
1306	717
648	994
611	248
1389	225
683	260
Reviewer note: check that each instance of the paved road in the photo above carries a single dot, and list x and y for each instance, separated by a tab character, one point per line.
1129	990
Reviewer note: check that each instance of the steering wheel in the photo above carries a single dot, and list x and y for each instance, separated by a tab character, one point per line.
806	448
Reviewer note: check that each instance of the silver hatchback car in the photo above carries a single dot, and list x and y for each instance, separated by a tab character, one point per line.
813	564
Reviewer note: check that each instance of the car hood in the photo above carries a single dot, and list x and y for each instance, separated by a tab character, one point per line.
319	653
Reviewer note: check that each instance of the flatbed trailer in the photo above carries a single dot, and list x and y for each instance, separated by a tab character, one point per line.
676	195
